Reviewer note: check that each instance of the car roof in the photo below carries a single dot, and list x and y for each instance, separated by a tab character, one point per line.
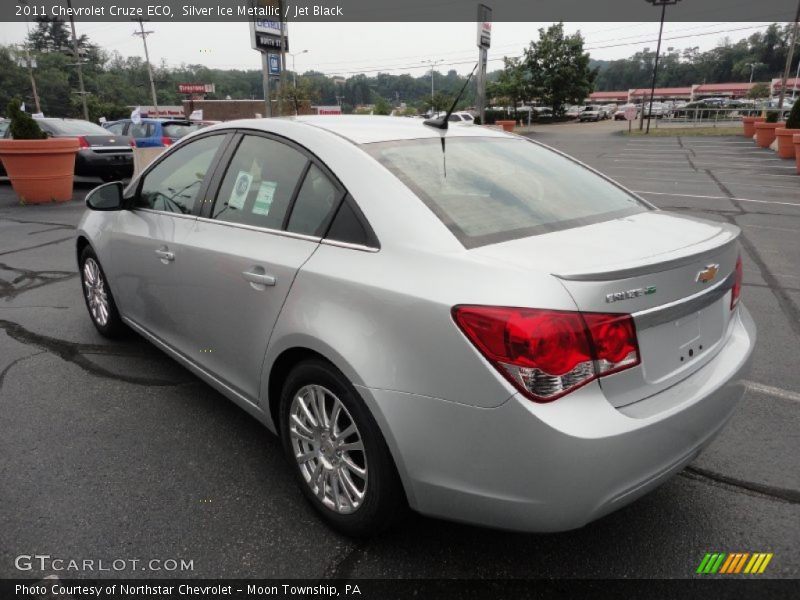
366	129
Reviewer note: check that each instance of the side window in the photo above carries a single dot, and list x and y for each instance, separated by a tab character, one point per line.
315	202
173	184
117	128
259	183
141	130
348	227
454	118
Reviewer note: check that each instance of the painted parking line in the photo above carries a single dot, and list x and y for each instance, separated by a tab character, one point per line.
707	161
797	204
772	391
795	231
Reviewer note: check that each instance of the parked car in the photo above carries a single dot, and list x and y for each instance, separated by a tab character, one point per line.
457	117
514	341
102	153
4	123
573	112
654	110
619	114
609	110
592	112
154	133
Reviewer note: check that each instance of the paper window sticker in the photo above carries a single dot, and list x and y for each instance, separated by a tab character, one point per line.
240	190
266	192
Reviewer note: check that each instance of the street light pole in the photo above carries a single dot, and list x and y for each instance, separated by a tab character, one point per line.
294	73
433	64
29	61
792	42
663	4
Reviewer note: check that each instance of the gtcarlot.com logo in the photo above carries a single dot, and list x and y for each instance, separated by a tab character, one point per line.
45	562
734	563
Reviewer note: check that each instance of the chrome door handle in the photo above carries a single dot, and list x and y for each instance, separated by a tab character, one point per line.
258	278
165	255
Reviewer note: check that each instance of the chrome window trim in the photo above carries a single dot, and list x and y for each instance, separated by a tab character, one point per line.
163	212
349	245
299	236
672	311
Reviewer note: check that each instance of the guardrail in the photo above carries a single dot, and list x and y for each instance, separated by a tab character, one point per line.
708	117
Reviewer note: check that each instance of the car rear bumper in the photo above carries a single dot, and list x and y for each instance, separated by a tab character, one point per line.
90	163
557	466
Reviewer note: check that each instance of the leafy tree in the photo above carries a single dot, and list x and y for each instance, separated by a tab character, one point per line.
512	85
22	126
382	107
793	122
759	90
558	68
442	101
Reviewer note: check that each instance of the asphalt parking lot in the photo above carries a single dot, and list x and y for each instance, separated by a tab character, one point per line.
112	450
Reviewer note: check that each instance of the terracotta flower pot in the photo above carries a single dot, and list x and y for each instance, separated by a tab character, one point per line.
506	125
40	170
785	145
765	133
796	141
749	124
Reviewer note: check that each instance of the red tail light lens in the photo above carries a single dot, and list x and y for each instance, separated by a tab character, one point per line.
737	283
132	142
549	353
165	141
82	143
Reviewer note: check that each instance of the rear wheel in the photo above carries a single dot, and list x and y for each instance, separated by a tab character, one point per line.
338	453
97	295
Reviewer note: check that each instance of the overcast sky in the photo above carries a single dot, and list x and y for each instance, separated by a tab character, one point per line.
348	48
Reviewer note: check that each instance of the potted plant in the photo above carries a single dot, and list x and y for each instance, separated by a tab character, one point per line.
749	125
784	135
765	130
41	169
796	142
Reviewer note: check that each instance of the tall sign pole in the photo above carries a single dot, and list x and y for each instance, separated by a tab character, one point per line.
268	36
76	53
484	22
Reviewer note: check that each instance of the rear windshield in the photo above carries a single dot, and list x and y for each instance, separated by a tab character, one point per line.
490	190
74	127
178	130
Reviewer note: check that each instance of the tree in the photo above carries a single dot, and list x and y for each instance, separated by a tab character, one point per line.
759	90
512	85
442	101
558	68
382	107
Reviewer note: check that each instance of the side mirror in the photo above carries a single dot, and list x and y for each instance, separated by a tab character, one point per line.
106	197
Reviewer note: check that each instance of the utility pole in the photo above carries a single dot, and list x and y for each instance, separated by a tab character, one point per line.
29	61
82	91
789	57
433	64
265	77
484	22
144	35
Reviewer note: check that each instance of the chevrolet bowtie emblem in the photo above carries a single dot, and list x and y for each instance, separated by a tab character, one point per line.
707	274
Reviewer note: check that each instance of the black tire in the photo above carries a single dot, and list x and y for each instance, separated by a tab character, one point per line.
113	326
384	502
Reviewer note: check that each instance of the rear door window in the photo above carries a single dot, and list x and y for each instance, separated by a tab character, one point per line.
316	201
259	183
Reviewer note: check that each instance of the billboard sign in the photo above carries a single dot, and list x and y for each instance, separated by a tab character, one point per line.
484	26
196	88
265	28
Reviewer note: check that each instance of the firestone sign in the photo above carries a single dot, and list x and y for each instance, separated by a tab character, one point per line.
484	26
196	88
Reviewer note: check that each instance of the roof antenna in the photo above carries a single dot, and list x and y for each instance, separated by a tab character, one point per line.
441	122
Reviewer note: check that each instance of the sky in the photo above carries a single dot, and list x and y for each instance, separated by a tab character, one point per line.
349	48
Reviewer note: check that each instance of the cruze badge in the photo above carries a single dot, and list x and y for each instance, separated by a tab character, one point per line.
707	274
628	294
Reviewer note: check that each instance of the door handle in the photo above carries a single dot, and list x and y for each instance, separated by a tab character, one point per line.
165	255
258	279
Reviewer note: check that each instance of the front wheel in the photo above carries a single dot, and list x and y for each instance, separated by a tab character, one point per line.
97	295
340	458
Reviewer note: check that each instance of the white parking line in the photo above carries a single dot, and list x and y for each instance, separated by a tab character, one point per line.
772	391
797	204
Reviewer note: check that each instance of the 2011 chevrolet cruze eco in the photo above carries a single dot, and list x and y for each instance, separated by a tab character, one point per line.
465	322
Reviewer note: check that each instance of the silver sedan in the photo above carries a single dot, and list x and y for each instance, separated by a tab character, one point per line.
462	322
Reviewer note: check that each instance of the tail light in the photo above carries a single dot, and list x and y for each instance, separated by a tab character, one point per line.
132	142
546	354
736	291
165	141
82	143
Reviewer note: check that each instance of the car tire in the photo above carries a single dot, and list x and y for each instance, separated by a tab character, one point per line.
98	297
355	504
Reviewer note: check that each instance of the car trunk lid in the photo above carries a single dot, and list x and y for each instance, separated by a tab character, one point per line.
672	273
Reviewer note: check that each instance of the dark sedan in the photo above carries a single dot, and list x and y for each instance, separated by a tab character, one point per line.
101	154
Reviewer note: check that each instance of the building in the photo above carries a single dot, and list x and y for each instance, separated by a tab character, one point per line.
694	92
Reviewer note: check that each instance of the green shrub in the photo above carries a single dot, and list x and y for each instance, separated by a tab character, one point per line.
772	116
793	122
22	126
